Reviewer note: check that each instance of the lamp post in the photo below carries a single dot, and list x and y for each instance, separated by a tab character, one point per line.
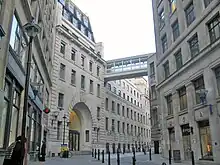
32	30
64	128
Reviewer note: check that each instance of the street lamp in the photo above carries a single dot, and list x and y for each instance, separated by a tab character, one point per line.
64	128
32	30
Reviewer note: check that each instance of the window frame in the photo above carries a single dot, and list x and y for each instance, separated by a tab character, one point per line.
178	59
194	45
169	102
166	69
189	12
164	43
182	98
175	30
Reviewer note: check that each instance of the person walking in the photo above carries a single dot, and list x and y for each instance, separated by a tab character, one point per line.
14	153
43	151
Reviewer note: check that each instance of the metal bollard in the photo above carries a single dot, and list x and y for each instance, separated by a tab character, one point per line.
192	155
98	154
170	156
109	158
134	158
103	156
150	158
95	153
118	157
92	152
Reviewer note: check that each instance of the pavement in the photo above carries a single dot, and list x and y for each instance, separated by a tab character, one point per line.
125	159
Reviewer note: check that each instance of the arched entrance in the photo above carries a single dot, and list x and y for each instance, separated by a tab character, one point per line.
80	128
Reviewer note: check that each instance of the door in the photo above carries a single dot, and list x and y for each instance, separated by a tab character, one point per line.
107	147
74	140
206	143
156	147
187	147
113	148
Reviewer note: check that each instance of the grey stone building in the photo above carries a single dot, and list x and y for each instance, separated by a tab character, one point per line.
87	112
187	42
13	60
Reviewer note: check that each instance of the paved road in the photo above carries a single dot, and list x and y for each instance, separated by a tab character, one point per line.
88	160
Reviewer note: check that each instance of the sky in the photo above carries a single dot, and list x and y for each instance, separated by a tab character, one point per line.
124	26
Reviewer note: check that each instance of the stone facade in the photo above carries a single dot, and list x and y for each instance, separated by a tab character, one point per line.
14	46
187	62
79	93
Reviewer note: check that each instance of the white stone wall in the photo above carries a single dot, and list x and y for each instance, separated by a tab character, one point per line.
202	65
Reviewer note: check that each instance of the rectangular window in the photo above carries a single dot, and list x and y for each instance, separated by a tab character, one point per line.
127	128
135	117
59	130
82	82
169	104
113	106
135	130
164	43
128	98
131	129
118	126
162	18
17	40
131	114
119	93
199	84
118	108
183	98
176	30
113	125
217	74
152	69
106	104
73	54
98	113
123	95
62	71
73	77
114	90
62	47
109	87
214	29
194	45
172	5
178	58
207	2
82	61
98	71
123	110
190	14
127	112
87	135
153	92
106	123
166	69
123	127
98	90
60	100
90	66
91	86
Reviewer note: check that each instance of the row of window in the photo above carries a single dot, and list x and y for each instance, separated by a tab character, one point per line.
190	17
82	60
130	113
130	99
131	129
214	32
198	85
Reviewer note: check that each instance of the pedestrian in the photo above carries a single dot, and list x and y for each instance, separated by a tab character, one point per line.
14	154
43	151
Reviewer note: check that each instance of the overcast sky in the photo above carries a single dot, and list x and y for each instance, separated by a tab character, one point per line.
124	26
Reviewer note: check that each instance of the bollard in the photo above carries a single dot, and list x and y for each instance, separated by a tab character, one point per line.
133	158
92	152
118	157
192	155
103	156
150	154
98	154
109	158
170	156
95	153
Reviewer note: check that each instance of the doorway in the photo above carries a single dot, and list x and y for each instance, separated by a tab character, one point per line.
156	147
74	140
186	141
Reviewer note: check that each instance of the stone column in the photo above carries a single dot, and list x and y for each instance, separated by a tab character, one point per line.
195	140
214	120
178	133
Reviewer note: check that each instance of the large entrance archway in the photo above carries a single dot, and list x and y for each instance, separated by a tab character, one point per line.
80	128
